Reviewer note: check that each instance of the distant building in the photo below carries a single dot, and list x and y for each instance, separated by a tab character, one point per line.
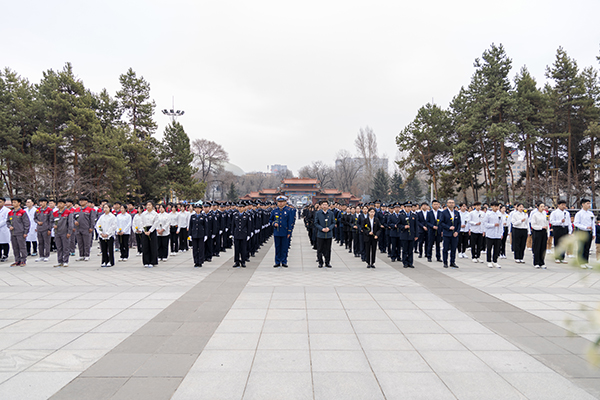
278	169
518	165
303	188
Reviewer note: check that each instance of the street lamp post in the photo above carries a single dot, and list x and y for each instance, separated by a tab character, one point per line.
173	113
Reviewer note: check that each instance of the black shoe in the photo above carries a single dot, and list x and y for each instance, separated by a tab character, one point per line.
372	266
276	266
357	255
320	265
438	260
453	266
445	265
406	266
420	256
411	266
284	265
328	266
243	265
234	265
429	260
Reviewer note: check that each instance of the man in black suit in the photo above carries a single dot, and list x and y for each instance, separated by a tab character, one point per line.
408	234
434	233
371	229
422	228
450	224
393	226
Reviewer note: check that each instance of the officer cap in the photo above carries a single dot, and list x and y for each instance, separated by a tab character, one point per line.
408	203
396	204
281	198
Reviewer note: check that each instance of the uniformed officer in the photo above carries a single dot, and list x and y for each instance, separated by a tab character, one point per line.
18	224
450	224
241	235
208	221
408	234
393	224
197	231
282	231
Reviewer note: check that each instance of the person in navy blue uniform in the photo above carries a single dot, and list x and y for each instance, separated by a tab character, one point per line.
208	227
422	229
393	226
434	235
371	230
281	220
408	234
241	234
197	231
450	225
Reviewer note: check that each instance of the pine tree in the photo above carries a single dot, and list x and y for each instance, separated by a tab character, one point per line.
232	194
381	185
397	188
177	163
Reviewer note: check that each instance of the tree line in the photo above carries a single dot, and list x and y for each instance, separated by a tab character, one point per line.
470	149
58	138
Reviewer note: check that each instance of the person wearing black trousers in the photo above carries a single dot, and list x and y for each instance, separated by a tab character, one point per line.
163	233
197	230
149	238
539	231
519	233
106	226
371	229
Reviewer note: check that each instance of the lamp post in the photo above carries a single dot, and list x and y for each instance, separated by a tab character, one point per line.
173	113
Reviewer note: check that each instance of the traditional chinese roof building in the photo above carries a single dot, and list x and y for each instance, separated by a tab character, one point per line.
299	187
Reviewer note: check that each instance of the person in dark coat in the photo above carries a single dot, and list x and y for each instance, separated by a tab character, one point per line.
371	229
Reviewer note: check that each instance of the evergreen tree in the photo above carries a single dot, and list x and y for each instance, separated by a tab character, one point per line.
232	194
397	188
381	185
413	190
177	164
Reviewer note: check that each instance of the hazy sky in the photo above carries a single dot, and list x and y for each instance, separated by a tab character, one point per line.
281	82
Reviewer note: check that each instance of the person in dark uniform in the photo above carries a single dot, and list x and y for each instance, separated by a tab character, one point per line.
324	222
241	234
408	234
393	224
371	229
282	220
208	221
197	231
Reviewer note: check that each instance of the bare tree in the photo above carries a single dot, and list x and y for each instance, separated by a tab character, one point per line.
366	145
209	157
347	170
321	171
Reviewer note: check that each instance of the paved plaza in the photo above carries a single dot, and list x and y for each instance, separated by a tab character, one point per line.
175	332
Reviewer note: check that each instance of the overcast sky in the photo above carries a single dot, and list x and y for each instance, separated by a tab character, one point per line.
281	82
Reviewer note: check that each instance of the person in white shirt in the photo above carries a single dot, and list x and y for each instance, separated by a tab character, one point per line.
149	238
183	221
123	230
163	232
585	222
492	223
463	234
505	223
539	232
174	228
31	240
476	230
106	227
137	228
560	220
4	231
519	230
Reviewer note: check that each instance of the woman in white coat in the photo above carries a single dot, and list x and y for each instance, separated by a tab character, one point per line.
163	232
106	227
4	231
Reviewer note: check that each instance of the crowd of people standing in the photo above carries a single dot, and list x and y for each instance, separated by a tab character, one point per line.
155	231
402	230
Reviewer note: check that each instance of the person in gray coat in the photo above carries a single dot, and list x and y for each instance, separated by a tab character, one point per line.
324	224
18	224
63	229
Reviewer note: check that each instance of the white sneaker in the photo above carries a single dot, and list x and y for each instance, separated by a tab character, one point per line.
80	259
173	254
475	260
557	261
544	267
481	260
490	265
584	266
45	259
86	259
537	267
138	254
39	259
465	255
497	265
590	266
65	265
